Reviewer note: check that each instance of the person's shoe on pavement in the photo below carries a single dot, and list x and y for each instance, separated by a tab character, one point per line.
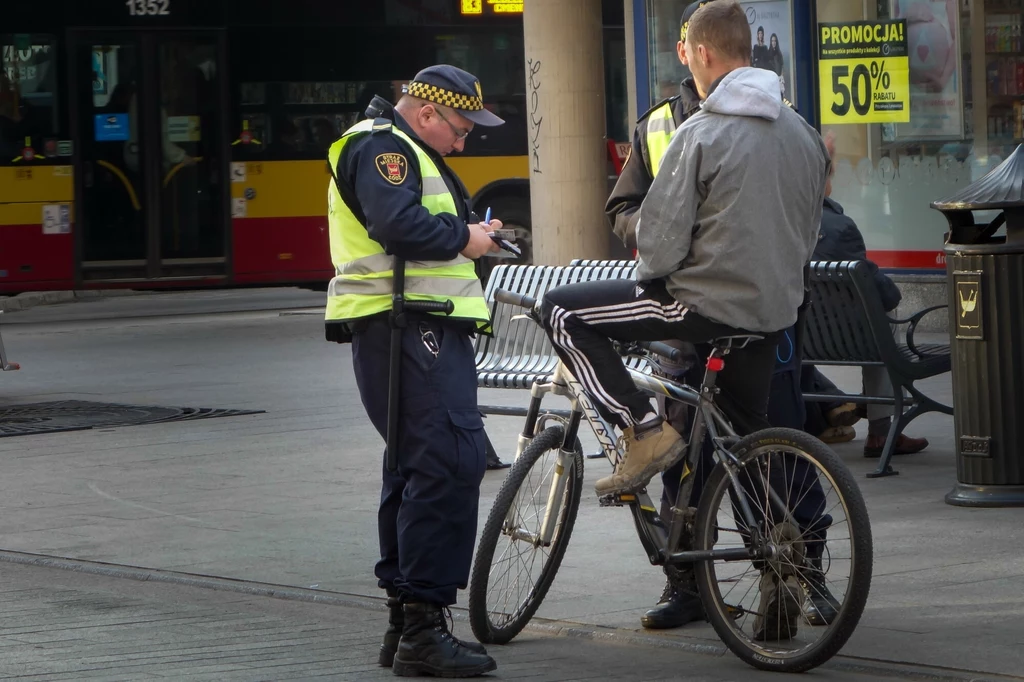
779	609
837	434
427	647
650	448
843	415
396	623
904	444
821	607
679	604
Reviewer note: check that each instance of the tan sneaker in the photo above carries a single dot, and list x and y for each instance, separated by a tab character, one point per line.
837	434
844	415
779	611
652	451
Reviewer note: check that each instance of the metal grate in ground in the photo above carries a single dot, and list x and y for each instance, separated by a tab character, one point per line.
76	415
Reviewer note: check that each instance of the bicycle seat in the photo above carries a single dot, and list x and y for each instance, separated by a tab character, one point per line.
737	341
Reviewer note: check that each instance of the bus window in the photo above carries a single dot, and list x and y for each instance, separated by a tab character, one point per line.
495	56
28	100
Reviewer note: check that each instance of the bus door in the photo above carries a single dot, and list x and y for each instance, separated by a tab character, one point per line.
150	154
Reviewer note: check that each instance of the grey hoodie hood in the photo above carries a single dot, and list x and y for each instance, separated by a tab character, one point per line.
746	91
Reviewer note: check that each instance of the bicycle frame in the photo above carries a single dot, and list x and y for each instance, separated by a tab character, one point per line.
660	543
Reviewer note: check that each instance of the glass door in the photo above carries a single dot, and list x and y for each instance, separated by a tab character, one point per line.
112	177
191	192
150	154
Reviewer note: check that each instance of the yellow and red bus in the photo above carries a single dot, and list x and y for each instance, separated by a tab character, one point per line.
182	143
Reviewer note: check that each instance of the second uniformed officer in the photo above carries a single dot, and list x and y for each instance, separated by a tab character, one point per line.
393	196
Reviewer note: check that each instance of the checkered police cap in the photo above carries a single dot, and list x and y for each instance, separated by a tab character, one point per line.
452	87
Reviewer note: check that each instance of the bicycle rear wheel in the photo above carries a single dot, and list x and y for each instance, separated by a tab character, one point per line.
801	604
513	570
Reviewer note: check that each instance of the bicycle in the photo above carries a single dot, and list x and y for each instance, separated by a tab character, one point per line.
763	544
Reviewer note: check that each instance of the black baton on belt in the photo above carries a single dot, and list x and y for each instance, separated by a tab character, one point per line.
398	321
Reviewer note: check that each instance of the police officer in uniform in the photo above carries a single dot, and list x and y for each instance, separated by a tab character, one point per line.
393	196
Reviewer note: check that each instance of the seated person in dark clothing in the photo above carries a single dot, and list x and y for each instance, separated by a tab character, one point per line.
839	240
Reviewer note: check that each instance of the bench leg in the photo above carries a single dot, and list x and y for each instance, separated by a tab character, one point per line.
884	468
899	422
493	461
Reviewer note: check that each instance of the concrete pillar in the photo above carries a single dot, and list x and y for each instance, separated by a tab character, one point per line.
566	145
630	64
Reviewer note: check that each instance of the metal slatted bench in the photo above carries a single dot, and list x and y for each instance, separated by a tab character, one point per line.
847	325
519	352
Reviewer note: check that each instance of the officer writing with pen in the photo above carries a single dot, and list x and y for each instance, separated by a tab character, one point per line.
392	195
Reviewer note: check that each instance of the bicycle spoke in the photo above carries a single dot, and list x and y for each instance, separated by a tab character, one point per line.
790	497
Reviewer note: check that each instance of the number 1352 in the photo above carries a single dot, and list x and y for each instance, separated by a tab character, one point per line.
141	8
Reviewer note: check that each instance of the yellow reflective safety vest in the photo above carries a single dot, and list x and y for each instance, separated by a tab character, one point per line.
363	272
660	127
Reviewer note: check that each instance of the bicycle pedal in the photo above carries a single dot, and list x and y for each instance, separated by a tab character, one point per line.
616	500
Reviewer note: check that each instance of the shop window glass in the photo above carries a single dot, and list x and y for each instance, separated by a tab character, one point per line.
771	47
28	98
966	82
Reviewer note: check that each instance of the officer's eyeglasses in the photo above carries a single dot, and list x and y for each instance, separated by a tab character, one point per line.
455	131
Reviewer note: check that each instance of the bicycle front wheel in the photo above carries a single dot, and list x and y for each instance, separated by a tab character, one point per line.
514	567
795	608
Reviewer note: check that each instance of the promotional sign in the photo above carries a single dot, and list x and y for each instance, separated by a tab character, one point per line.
771	30
864	72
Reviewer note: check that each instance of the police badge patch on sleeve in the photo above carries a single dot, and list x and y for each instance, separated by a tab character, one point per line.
393	167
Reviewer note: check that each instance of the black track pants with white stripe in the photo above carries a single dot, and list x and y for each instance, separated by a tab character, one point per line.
582	318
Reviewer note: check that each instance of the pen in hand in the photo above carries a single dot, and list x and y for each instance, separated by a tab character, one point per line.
487	216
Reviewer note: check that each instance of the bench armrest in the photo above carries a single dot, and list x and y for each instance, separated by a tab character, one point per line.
914	320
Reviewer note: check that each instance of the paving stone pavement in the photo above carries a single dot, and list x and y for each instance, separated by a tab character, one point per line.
67	625
289	497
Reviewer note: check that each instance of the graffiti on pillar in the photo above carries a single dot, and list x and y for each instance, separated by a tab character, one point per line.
535	120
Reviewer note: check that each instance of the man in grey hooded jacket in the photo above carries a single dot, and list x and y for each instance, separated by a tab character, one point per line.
722	240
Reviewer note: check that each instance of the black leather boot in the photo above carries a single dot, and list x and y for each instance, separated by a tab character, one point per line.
821	607
428	647
396	623
680	604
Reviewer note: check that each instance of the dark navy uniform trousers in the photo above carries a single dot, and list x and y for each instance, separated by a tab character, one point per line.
428	508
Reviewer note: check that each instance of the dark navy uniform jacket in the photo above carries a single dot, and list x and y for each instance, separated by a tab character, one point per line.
623	205
395	216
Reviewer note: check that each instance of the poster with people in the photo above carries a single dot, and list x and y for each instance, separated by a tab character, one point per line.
771	29
936	90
